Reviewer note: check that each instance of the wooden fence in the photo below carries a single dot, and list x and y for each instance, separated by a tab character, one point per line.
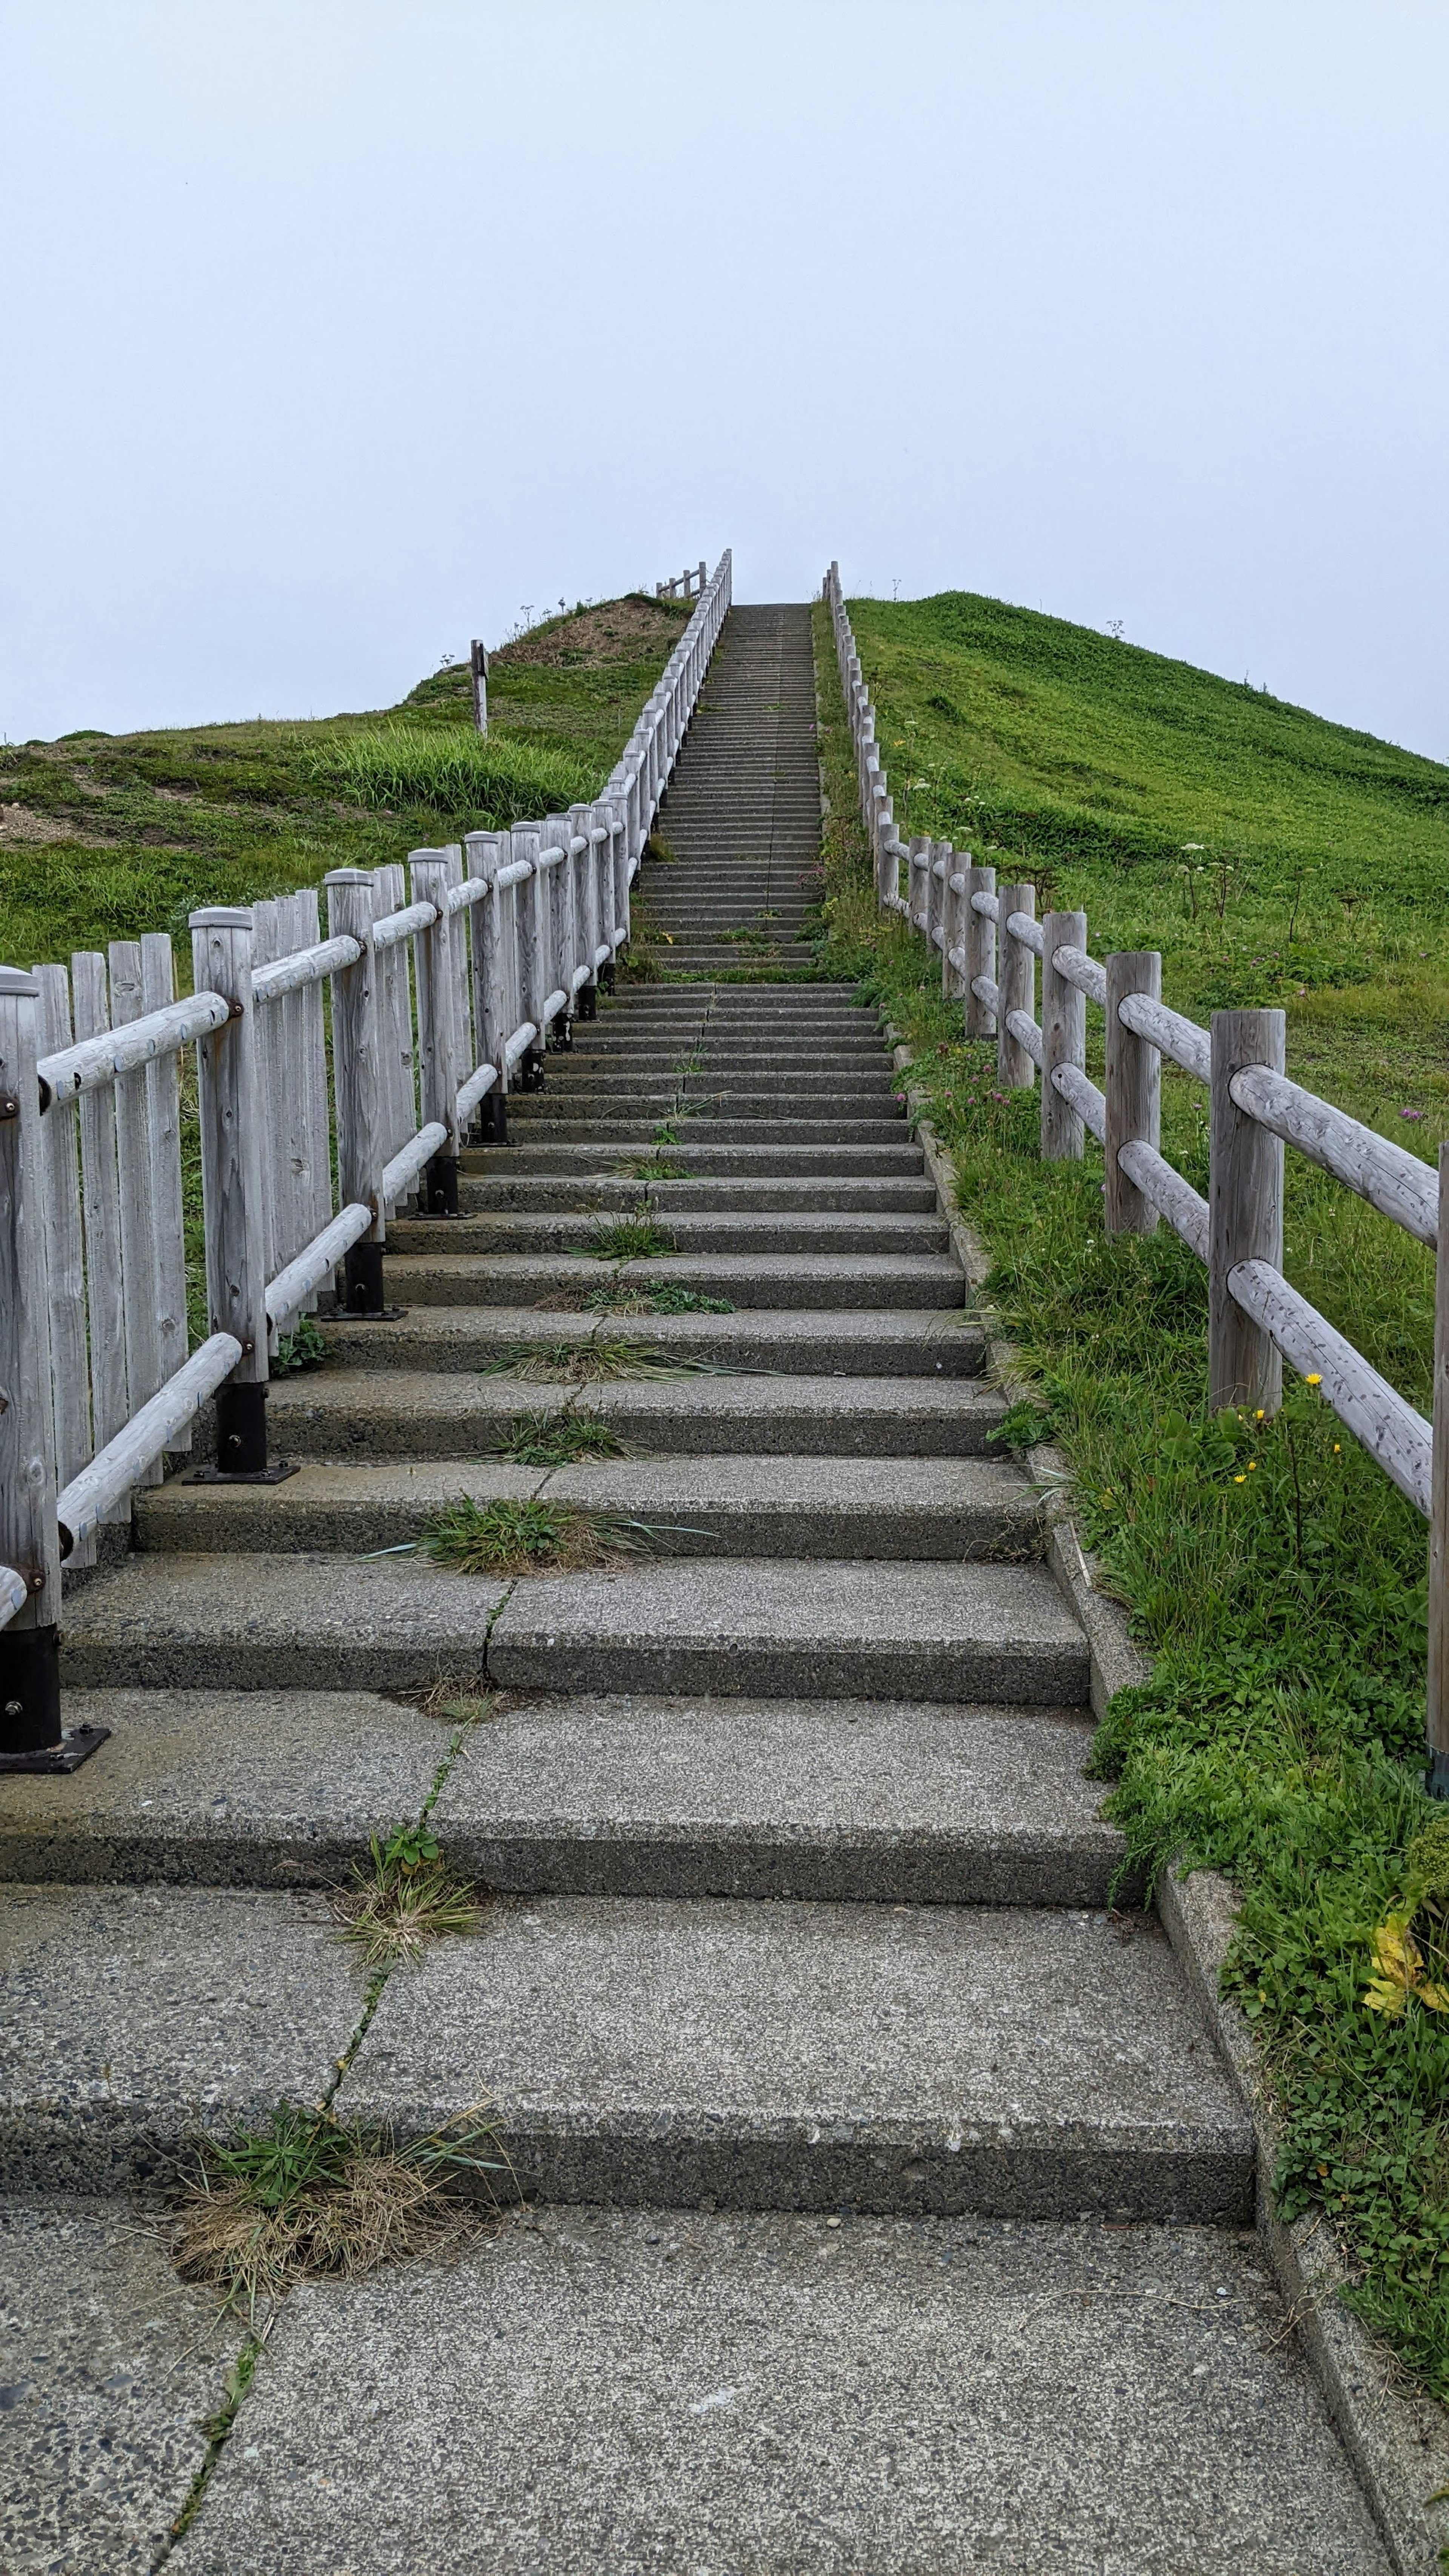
446	983
991	945
688	584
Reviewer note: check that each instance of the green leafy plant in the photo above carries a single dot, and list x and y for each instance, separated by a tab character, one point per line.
1023	1425
305	1347
405	1898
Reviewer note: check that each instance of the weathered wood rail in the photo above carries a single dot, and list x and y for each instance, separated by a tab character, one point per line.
448	982
990	945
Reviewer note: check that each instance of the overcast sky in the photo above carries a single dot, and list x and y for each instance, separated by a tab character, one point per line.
334	332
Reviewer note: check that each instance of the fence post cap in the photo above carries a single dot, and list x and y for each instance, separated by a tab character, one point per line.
18	985
347	876
219	916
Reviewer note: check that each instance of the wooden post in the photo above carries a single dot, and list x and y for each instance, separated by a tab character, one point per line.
1016	980
478	668
163	1109
1245	1203
1134	1089
231	1189
437	1031
1063	1037
1439	1524
31	1737
953	915
140	1283
918	883
64	1246
355	1082
980	953
484	854
532	954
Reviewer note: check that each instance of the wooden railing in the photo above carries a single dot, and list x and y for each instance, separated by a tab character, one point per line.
447	985
991	944
688	584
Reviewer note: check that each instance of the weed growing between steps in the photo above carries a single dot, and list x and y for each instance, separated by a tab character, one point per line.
404	1898
1270	1568
629	1238
308	2195
650	1167
540	1537
305	1347
582	1364
543	1439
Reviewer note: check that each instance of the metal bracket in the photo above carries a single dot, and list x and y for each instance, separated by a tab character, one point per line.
440	1188
241	1441
32	1737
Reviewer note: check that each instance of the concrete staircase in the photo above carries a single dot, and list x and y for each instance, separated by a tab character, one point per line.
887	2206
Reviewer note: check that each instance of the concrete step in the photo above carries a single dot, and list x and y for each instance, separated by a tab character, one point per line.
919	1342
815	1279
822	1631
688	1231
397	1413
720	1505
915	2397
741	1626
1023	2064
837	1800
625	1134
733	1106
785	1196
771	1163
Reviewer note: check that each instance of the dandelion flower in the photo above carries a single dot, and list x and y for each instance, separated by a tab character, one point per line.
1316	1378
1252	1462
1337	1446
1240	1480
1260	1416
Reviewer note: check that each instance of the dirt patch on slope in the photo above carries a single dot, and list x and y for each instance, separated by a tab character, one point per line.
618	630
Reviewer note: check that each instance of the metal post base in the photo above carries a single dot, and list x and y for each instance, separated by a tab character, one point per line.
530	1070
241	1442
561	1035
588	1001
31	1735
362	1301
493	1119
440	1187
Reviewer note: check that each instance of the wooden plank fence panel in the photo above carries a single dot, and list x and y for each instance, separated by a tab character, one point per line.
163	1091
105	1295
65	1259
139	1272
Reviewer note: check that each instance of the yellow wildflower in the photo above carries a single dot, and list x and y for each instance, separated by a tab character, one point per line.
1240	1480
1400	1966
1316	1378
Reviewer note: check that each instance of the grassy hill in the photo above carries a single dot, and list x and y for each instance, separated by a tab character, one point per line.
1273	1575
103	836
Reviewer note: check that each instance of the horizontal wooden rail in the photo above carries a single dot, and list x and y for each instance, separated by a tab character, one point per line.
14	1594
1083	971
291	1288
399	1175
122	1464
1165	1190
98	1061
308	966
403	924
1021	926
1082	1095
475	1089
1172	1035
1394	1182
1024	1028
1376	1414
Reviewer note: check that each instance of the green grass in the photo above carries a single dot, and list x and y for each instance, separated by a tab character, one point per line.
543	1439
131	832
1274	1576
629	1238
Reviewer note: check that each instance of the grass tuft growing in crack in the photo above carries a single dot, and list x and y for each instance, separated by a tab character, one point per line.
572	1363
629	1238
404	1898
513	1538
306	2195
650	1167
560	1439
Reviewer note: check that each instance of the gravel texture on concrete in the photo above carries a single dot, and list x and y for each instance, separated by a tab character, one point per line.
872	1344
844	1799
352	1509
794	2056
303	1622
813	1631
223	1788
415	1414
137	2017
109	2370
654	2394
813	1279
